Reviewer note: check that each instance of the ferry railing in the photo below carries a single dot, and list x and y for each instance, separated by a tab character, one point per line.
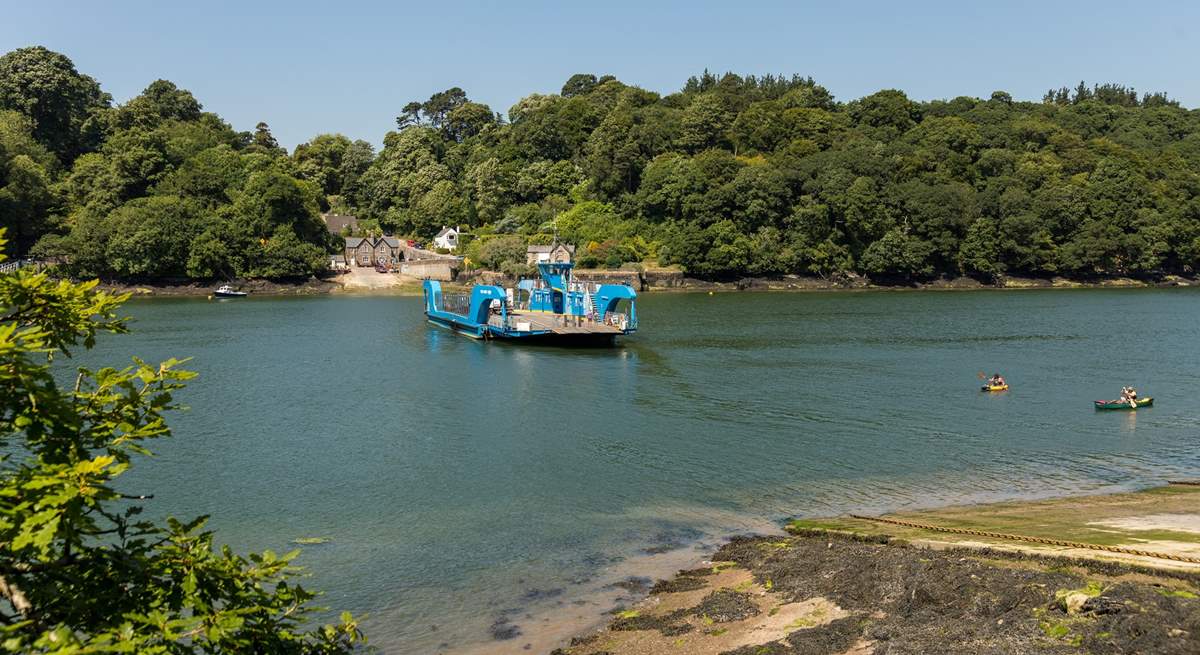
456	304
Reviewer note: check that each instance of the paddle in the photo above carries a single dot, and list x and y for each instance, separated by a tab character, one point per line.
987	382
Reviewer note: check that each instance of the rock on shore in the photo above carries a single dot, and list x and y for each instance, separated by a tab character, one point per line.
832	593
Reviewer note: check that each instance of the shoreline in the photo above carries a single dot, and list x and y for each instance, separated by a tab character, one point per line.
674	284
823	589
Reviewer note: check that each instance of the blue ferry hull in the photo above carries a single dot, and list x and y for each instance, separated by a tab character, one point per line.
559	312
459	326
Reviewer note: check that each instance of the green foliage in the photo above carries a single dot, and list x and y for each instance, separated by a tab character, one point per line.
284	255
501	252
333	162
161	102
704	124
80	570
26	194
898	253
579	84
272	199
733	175
151	237
67	109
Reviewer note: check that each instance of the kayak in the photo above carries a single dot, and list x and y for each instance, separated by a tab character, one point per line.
994	387
1120	404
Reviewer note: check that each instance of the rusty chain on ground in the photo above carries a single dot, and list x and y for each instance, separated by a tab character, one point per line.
1038	540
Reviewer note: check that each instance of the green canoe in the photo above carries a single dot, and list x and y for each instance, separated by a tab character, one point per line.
1119	404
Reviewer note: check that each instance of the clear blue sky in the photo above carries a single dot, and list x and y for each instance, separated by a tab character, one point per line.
313	67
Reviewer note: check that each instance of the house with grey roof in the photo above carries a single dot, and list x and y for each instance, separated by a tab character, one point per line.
387	251
340	223
371	251
556	252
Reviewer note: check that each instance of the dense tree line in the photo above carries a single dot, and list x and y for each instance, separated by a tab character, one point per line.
153	188
731	175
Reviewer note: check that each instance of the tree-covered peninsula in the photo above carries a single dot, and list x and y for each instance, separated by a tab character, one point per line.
729	176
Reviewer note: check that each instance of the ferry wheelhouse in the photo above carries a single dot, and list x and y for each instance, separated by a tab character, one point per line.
553	308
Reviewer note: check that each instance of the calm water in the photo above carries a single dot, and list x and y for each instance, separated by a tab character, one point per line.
464	483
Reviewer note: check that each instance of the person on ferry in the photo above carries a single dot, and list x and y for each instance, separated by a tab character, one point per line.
996	381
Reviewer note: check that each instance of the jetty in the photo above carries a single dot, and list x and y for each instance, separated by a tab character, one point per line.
554	308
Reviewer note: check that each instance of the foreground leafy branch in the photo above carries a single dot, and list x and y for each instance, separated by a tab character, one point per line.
80	570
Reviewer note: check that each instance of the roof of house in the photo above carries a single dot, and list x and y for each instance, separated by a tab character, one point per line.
338	222
391	241
550	248
354	242
445	231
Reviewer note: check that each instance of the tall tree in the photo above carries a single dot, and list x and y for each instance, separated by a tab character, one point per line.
160	102
705	124
439	105
410	115
265	140
65	106
578	84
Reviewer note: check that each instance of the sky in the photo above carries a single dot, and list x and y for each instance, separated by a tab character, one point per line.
349	66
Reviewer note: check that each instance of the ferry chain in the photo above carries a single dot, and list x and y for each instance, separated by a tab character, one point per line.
1039	540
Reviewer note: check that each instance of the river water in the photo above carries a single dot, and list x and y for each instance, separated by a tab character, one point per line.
472	490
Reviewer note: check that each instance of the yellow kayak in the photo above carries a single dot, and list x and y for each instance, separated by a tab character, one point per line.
995	387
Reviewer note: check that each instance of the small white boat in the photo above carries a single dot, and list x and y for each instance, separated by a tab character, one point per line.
226	291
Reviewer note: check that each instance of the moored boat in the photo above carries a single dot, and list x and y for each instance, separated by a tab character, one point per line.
226	291
1124	404
555	308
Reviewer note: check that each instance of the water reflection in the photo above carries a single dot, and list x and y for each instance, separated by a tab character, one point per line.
1131	421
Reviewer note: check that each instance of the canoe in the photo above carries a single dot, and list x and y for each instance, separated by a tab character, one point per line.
994	387
1117	404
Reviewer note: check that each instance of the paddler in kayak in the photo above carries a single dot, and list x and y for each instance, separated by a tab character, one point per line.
996	381
1129	395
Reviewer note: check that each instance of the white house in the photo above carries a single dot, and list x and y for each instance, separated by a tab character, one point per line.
447	238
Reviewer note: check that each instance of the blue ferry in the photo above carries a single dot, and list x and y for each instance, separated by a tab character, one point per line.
554	309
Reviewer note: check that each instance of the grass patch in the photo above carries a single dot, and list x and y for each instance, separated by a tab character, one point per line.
628	614
1060	630
801	623
1177	593
723	566
801	525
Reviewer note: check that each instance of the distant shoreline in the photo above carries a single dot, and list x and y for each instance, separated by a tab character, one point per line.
651	282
